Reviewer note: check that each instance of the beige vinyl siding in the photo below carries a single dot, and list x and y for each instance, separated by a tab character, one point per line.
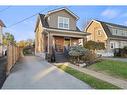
94	28
53	19
39	44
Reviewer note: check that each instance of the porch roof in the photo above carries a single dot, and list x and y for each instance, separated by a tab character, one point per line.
60	32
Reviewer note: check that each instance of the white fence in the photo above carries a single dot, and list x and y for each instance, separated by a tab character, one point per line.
105	53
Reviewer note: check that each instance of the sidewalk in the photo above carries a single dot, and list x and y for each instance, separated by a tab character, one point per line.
116	59
118	82
34	73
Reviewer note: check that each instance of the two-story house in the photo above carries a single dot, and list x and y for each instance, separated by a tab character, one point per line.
1	37
57	29
113	35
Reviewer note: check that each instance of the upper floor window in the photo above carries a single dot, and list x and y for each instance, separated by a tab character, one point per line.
115	31
119	32
63	22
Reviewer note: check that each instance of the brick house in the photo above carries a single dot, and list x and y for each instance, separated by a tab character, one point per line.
113	35
57	30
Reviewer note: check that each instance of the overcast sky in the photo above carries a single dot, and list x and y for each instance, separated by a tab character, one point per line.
25	30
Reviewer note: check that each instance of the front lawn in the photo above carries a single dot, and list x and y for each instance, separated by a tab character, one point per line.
92	81
113	68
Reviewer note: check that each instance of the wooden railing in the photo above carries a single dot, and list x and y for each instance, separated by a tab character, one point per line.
13	54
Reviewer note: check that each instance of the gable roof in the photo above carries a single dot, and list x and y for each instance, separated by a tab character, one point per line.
44	20
64	8
45	24
107	30
2	24
105	26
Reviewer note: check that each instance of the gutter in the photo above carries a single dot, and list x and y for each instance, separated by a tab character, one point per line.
66	31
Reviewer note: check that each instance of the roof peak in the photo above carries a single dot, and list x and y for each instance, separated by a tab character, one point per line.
112	24
63	8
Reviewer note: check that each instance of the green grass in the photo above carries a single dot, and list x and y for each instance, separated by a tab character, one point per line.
92	81
114	68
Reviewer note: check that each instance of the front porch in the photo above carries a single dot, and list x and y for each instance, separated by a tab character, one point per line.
58	42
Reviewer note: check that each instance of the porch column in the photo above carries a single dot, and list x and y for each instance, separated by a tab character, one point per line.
70	42
84	40
50	43
81	41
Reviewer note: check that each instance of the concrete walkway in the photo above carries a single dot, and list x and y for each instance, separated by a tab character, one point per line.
34	73
115	81
116	59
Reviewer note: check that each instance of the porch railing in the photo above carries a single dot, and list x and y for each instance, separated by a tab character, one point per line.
66	52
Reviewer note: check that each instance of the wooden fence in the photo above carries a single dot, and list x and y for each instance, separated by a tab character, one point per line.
13	54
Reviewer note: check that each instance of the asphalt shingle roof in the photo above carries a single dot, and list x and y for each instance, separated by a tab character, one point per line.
107	30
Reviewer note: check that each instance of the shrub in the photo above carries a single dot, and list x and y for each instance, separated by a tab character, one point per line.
117	52
92	45
124	52
120	52
79	54
89	57
75	53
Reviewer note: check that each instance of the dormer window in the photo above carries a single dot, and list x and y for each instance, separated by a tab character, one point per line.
63	22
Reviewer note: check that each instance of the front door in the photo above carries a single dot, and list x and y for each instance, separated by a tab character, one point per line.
67	42
59	44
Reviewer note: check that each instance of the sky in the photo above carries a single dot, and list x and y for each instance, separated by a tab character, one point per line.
12	15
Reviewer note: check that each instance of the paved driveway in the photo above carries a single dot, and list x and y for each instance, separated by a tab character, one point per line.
34	73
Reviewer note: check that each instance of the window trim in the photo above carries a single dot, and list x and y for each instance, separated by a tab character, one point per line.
63	21
112	44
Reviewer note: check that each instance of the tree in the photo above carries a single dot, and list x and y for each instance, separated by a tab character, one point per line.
92	45
27	46
100	46
30	42
8	37
22	43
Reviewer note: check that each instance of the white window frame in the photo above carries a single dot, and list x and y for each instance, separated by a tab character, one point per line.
63	22
114	45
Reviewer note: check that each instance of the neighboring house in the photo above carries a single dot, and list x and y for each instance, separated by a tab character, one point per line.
113	35
1	37
57	30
